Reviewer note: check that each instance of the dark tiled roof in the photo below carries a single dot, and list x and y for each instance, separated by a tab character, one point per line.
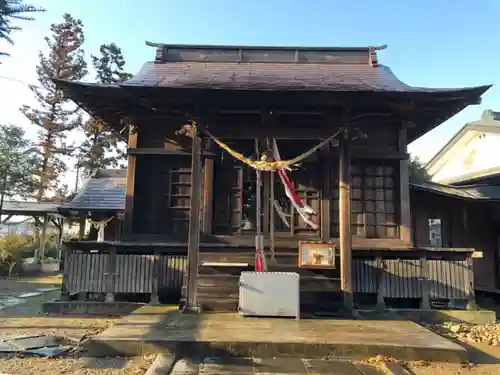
19	208
104	191
274	76
271	69
308	75
483	192
473	192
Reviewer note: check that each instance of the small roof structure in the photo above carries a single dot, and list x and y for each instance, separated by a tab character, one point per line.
105	191
30	208
490	193
306	74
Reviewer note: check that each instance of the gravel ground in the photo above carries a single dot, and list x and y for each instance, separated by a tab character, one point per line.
488	334
75	366
448	369
52	325
482	343
72	364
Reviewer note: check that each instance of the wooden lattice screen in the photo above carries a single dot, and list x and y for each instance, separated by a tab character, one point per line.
373	201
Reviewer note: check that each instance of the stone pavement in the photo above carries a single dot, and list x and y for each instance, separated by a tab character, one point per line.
271	366
163	329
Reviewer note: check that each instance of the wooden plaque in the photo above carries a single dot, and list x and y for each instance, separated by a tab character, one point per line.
316	255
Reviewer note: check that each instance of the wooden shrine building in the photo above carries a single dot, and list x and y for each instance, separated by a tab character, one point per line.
199	120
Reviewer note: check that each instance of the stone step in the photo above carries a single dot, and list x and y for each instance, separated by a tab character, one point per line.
275	366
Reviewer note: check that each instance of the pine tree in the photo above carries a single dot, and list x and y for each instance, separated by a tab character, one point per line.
55	115
417	171
11	11
101	146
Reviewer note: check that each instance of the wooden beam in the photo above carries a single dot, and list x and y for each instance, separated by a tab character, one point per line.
345	220
160	151
194	222
130	182
404	189
278	133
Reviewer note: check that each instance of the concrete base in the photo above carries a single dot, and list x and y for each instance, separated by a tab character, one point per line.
90	308
437	316
165	330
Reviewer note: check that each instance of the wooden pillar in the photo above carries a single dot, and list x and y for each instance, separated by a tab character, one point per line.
110	275
66	254
326	194
404	189
81	229
345	220
155	300
426	300
208	193
130	183
380	282
471	299
60	234
43	238
194	222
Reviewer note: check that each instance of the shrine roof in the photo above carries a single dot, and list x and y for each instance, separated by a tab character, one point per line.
321	76
271	68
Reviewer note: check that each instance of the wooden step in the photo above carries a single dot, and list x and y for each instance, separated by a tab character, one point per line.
319	297
223	270
303	272
218	281
319	283
228	257
218	305
222	292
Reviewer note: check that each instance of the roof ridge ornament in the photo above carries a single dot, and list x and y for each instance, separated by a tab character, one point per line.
373	59
160	50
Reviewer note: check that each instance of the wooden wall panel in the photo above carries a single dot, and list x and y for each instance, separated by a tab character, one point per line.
162	195
380	138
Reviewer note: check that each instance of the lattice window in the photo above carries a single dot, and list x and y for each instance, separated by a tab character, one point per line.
179	198
373	201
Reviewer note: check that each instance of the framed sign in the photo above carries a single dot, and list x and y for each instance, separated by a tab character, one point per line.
316	255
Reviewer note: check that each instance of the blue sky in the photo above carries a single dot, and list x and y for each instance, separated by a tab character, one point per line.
431	43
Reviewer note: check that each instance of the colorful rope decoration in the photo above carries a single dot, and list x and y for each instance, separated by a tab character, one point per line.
264	165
